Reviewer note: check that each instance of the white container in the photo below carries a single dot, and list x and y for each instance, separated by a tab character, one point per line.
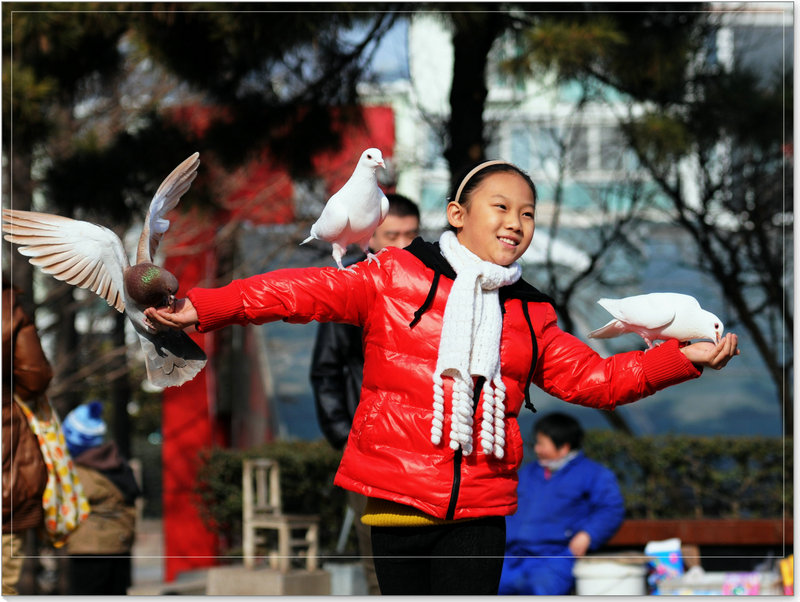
608	578
347	579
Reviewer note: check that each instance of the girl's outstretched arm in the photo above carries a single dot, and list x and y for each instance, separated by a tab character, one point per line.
708	355
179	316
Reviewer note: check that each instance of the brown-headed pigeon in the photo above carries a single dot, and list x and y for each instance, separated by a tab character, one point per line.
91	256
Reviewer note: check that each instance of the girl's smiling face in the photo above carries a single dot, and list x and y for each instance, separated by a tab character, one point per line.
496	223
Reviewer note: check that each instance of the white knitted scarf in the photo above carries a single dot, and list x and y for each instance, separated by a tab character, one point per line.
470	346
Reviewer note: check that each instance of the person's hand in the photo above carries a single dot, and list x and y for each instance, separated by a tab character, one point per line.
707	354
178	316
579	544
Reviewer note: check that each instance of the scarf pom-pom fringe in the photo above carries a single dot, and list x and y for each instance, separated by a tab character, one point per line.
438	410
492	427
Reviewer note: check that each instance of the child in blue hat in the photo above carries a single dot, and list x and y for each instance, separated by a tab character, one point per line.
100	548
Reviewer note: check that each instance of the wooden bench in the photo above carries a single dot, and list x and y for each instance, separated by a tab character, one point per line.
706	532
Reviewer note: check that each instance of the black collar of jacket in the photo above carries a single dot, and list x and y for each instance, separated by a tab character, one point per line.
430	255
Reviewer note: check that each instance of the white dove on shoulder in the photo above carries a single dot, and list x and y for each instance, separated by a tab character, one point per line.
353	213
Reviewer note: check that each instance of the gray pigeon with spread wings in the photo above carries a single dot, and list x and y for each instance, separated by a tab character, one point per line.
352	214
90	256
659	316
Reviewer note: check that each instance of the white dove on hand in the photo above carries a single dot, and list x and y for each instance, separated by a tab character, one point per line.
352	214
659	316
93	257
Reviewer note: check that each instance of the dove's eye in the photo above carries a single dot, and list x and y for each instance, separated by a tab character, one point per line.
716	326
369	157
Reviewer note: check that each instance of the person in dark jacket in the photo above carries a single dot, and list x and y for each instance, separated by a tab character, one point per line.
568	506
337	367
100	548
26	375
453	339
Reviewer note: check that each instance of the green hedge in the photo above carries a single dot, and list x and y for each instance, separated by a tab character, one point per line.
660	476
692	477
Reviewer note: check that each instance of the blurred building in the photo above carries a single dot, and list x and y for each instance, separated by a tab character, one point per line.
553	130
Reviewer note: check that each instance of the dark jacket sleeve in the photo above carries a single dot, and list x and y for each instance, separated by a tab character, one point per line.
336	374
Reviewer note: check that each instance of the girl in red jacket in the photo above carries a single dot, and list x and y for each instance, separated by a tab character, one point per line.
452	340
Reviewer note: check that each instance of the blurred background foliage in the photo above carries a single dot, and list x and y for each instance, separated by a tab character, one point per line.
680	476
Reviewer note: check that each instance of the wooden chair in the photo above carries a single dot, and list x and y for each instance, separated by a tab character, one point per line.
261	510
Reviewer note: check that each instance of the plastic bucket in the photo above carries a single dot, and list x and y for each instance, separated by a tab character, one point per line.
604	578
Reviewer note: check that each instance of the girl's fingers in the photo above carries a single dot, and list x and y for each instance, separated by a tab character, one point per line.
162	316
724	351
181	315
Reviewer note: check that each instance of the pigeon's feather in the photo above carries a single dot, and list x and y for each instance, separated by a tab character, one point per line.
333	222
384	207
79	253
170	356
614	328
355	210
659	316
648	315
91	256
165	200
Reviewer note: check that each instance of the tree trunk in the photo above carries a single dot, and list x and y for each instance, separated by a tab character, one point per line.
473	36
121	394
67	349
21	191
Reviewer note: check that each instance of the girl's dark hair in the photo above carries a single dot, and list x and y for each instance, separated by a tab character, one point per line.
480	175
561	429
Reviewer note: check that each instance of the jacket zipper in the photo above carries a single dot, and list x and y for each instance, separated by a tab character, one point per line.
458	456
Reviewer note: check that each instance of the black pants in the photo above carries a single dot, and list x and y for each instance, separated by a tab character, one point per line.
109	575
458	558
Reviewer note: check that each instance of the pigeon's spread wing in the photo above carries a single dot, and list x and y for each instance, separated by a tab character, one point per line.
82	254
632	310
165	200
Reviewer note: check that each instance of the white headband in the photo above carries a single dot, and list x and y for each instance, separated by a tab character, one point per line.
473	172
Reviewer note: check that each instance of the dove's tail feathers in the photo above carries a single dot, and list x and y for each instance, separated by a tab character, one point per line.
606	303
309	239
614	328
171	357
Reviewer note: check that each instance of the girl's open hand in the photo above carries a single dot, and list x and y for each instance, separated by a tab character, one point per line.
179	316
709	355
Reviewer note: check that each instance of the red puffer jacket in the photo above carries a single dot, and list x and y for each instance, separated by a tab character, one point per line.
400	305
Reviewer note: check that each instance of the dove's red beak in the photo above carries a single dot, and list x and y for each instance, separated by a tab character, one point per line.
381	164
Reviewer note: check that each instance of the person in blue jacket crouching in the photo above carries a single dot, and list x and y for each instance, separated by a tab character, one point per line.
568	505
